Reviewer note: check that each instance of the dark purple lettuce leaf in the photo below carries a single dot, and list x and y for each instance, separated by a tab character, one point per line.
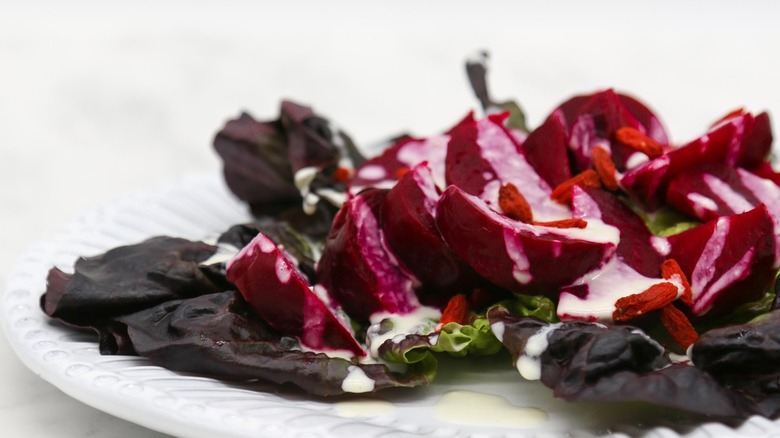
476	70
127	279
746	359
593	362
256	163
262	158
220	336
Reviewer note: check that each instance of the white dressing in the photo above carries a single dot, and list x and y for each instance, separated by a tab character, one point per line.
357	382
529	363
420	321
225	252
486	410
605	286
733	199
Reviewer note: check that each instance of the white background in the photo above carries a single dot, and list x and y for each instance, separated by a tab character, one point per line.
99	98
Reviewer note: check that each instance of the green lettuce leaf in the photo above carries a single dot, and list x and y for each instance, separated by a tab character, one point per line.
537	306
667	222
475	339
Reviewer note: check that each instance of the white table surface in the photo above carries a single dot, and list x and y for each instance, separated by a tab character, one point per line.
97	100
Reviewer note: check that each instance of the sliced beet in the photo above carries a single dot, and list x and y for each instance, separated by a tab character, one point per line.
546	150
482	156
728	261
716	190
570	109
520	257
736	141
410	229
356	266
386	169
274	287
756	141
635	267
712	190
595	125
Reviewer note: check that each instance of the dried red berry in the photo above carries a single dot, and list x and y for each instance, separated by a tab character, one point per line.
678	326
730	114
514	204
588	178
669	269
605	168
655	297
401	172
457	310
343	174
564	223
632	138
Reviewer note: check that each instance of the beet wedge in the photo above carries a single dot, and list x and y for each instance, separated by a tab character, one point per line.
635	268
520	257
410	229
384	171
596	124
728	261
356	266
546	150
482	156
741	140
716	190
273	286
570	109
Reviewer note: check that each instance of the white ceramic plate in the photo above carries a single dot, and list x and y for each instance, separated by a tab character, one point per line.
190	406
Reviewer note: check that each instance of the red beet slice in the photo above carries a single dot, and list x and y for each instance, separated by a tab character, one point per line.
738	140
635	267
482	156
635	247
570	109
385	170
546	150
595	125
728	261
519	257
356	266
274	287
714	190
410	229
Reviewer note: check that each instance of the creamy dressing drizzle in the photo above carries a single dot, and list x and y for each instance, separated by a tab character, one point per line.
498	329
521	268
636	159
486	410
303	179
225	252
661	244
705	267
605	286
736	272
420	321
433	150
372	171
357	382
701	203
283	269
511	167
734	200
529	363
